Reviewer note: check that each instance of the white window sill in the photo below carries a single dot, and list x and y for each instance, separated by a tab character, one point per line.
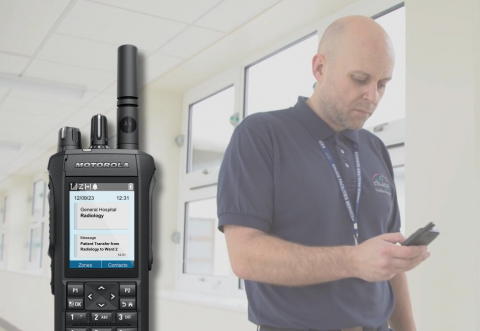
236	304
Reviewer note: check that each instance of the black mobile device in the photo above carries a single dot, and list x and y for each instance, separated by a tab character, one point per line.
101	220
422	236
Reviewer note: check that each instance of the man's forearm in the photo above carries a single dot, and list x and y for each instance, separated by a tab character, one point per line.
402	316
272	260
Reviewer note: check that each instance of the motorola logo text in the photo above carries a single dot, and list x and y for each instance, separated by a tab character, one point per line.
101	165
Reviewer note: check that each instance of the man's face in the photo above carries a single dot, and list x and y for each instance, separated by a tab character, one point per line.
354	84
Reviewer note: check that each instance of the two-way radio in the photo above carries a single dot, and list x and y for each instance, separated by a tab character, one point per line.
101	219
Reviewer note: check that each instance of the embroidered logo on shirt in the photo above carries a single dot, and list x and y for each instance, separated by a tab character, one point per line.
382	184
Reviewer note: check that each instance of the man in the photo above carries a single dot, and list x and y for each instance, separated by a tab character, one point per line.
308	204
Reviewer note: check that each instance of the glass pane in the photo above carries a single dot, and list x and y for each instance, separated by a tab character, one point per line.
399	174
38	202
205	247
276	82
392	105
211	125
36	243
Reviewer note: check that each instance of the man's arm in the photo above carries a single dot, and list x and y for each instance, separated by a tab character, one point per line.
255	255
402	316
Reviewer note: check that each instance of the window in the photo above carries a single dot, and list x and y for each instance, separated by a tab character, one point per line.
212	121
35	248
275	82
38	202
211	112
205	247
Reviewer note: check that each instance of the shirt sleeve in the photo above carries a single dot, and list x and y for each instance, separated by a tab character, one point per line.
245	191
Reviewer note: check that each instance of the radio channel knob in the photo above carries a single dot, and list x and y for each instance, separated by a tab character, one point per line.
99	132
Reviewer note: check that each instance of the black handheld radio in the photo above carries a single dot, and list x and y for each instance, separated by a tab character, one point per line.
101	219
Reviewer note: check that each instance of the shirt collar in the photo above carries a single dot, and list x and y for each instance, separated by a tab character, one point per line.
318	127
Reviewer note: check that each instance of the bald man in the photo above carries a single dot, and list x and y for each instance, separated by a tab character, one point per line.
307	200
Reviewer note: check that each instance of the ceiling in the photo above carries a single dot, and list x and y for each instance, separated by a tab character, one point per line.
58	58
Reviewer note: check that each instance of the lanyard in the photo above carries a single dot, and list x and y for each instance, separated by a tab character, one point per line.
353	215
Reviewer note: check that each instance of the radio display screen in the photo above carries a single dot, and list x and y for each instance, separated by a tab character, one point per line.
101	225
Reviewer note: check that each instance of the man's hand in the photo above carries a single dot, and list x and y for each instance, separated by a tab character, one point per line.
380	259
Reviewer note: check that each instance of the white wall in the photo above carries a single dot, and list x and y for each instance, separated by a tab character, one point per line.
442	148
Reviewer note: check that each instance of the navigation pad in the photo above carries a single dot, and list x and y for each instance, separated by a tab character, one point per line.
101	304
101	296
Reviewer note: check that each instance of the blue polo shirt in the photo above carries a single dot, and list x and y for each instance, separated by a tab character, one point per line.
275	178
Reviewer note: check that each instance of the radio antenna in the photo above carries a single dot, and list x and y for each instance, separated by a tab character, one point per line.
127	96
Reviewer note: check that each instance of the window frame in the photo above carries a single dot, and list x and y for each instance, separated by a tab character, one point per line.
39	264
43	198
202	184
37	222
197	186
189	138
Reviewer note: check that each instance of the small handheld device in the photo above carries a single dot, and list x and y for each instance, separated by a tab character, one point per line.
101	219
422	236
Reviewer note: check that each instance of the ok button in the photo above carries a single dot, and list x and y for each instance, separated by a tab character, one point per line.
74	304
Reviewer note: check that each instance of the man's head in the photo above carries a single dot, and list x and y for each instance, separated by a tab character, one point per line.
354	62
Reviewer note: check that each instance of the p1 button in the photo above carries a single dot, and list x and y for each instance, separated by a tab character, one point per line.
75	290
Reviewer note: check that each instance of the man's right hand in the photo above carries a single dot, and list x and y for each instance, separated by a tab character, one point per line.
380	259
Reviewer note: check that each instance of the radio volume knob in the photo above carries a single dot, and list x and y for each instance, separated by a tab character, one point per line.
69	138
99	132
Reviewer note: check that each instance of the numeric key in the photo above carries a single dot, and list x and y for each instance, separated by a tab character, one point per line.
101	317
76	317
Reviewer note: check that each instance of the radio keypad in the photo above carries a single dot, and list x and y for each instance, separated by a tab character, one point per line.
104	305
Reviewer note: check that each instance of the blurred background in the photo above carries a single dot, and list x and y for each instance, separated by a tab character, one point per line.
204	65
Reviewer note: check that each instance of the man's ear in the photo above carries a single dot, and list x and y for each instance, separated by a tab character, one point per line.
318	67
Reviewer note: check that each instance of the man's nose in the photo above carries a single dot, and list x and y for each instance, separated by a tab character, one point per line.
371	93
